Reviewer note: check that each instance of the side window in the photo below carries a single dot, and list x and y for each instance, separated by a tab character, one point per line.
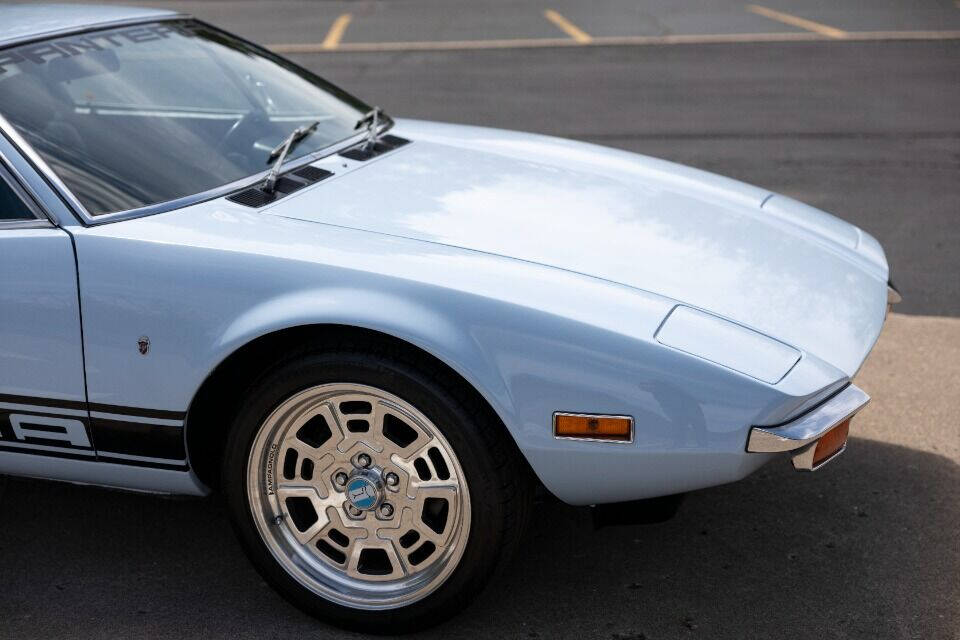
12	206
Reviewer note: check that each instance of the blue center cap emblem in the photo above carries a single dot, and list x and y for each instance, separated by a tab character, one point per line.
362	493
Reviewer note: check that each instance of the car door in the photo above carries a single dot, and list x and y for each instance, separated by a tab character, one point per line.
43	408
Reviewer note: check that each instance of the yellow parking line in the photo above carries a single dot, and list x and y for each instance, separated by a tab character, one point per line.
796	21
332	41
567	27
609	41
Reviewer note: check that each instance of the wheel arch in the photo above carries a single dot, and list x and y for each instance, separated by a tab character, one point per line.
207	423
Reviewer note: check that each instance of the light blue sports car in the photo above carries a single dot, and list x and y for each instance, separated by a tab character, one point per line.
378	338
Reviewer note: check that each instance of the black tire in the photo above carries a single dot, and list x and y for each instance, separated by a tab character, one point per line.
499	480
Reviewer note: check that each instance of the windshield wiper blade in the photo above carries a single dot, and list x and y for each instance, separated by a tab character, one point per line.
372	122
279	153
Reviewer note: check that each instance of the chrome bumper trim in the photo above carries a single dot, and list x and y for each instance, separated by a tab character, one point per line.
809	427
893	296
803	458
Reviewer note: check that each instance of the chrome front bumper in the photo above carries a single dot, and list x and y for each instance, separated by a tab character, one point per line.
893	294
801	434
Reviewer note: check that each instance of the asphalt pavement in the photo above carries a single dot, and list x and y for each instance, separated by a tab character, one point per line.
823	102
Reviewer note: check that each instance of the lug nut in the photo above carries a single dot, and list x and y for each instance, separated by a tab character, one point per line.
392	479
386	510
340	479
363	460
353	511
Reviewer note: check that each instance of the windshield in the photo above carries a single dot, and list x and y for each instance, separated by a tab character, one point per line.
137	116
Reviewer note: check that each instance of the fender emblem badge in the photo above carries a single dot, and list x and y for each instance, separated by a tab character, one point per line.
143	344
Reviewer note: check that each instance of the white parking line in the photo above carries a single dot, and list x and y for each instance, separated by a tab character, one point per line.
607	41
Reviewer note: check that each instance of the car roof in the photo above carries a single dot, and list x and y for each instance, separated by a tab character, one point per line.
23	22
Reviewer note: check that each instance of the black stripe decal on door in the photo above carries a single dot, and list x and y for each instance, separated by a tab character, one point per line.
27	428
137	412
115	434
138	439
68	407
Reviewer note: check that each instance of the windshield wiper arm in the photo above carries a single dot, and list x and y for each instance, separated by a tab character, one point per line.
372	121
279	153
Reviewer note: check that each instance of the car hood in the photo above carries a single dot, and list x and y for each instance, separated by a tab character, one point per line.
787	270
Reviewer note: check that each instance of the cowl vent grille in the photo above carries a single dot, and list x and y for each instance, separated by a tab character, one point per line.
312	174
256	197
287	185
253	197
384	144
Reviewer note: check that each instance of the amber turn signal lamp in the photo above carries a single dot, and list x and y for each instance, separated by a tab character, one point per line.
593	427
831	442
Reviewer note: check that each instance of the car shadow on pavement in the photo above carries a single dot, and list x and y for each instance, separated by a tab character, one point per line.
867	547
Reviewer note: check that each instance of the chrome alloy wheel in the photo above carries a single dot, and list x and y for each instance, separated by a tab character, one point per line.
358	496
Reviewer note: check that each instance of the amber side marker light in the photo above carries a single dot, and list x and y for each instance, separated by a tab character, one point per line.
831	443
593	427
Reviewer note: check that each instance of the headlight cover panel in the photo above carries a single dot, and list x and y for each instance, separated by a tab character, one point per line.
727	344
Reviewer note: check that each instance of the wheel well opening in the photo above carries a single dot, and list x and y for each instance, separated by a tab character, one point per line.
215	404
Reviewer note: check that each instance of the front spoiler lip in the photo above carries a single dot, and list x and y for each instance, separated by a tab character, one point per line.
801	434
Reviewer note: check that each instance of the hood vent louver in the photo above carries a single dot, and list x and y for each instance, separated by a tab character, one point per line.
312	174
287	185
256	197
383	144
253	197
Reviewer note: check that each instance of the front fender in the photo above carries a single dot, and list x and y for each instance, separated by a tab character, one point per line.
386	312
202	282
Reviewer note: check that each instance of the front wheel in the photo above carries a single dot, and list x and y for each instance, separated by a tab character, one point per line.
368	493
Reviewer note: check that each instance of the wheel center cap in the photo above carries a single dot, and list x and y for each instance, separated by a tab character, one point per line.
363	492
